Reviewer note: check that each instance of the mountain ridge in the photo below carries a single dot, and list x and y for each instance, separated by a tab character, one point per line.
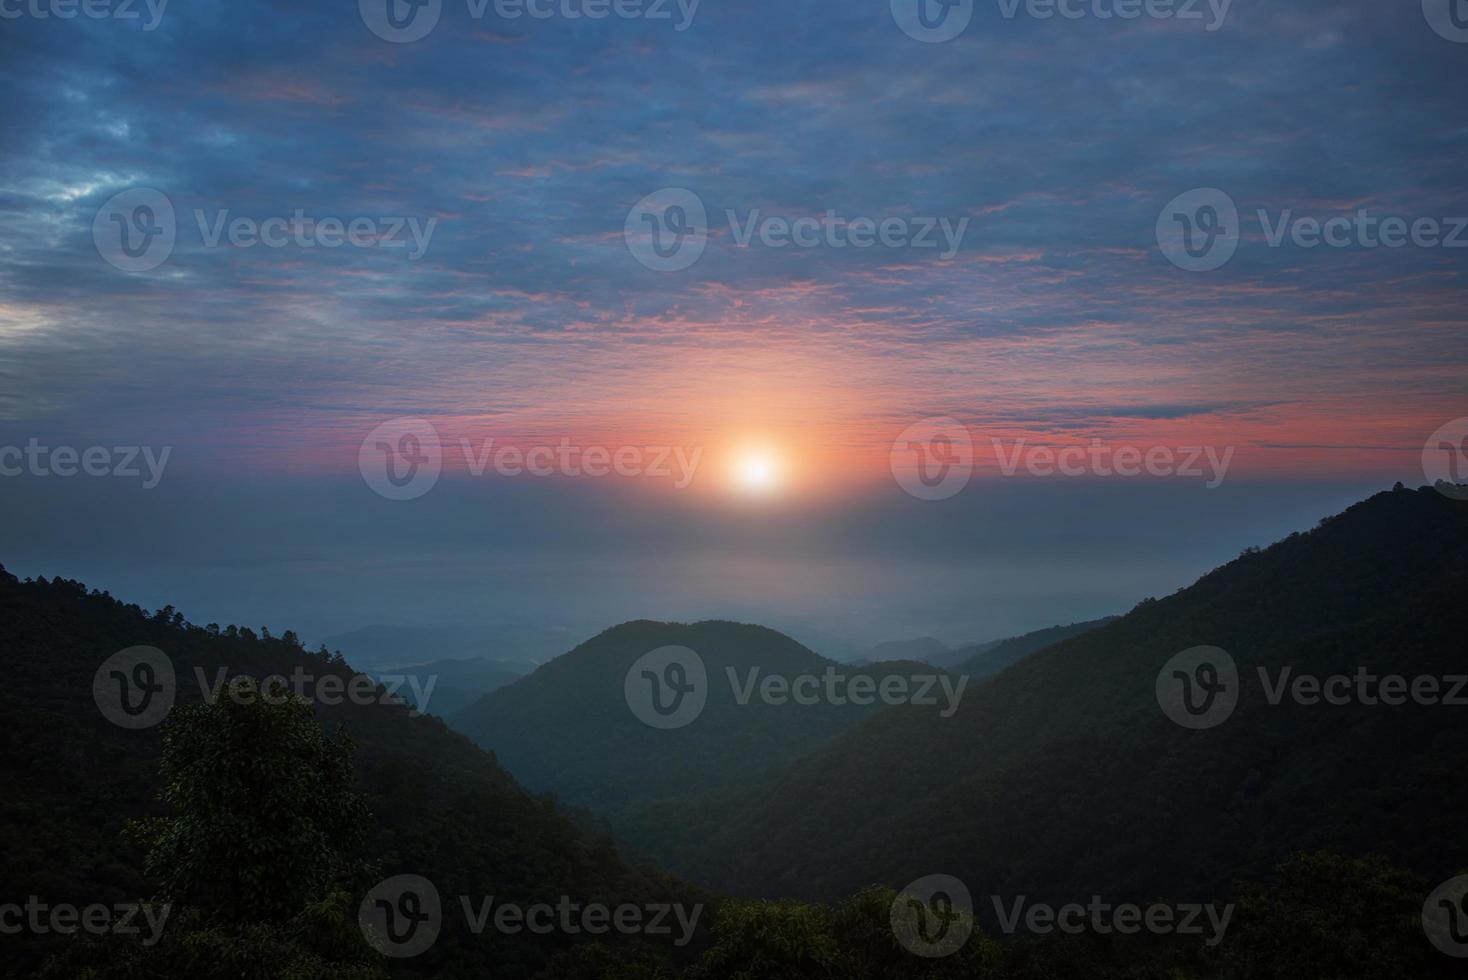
1021	762
568	729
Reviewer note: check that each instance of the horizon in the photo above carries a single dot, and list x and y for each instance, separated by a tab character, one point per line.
1057	608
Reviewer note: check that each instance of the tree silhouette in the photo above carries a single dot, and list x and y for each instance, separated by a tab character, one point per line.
263	810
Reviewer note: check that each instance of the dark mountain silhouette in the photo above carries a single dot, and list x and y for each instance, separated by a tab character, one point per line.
441	807
923	649
974	660
449	686
1061	777
568	729
954	658
1058	779
991	658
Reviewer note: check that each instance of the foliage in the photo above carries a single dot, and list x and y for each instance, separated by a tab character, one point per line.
320	942
263	809
1325	916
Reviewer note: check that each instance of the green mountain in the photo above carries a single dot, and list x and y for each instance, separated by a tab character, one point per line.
1061	777
568	728
441	808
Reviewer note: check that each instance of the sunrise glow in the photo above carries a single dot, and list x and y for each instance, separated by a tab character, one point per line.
757	472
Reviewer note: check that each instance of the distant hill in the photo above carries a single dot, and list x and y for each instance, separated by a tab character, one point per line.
449	686
567	728
951	658
973	658
389	647
990	658
924	649
1061	777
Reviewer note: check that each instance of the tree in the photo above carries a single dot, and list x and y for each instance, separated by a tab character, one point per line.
1331	917
762	940
255	857
263	809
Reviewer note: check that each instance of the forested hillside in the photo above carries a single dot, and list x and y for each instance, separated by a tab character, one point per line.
1062	777
1323	826
567	727
441	808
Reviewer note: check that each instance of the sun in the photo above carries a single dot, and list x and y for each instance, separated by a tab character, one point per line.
757	472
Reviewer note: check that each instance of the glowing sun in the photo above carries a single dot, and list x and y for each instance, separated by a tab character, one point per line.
756	472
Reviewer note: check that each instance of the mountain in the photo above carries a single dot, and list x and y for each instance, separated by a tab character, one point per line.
923	649
1061	777
389	647
974	660
441	807
953	658
991	658
445	687
568	728
1058	779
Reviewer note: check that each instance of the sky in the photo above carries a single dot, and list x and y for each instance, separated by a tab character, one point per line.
1040	181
